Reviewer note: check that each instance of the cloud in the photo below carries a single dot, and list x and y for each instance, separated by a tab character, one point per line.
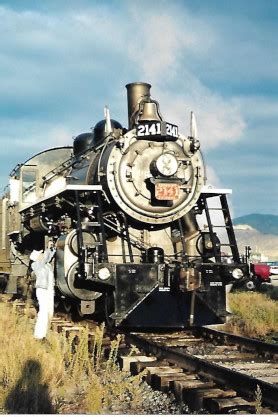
212	177
48	63
26	138
243	51
61	63
262	109
218	120
166	44
34	135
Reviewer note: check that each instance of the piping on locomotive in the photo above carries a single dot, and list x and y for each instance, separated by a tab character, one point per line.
122	206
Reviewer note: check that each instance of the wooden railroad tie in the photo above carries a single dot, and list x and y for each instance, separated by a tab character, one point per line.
139	366
194	398
187	387
19	306
225	348
228	405
180	387
270	379
183	342
106	342
160	370
164	382
30	311
73	331
126	361
253	366
55	319
228	357
57	325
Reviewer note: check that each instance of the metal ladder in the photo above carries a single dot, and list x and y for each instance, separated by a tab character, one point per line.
228	225
103	255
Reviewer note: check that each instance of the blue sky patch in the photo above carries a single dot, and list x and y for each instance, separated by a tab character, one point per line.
62	61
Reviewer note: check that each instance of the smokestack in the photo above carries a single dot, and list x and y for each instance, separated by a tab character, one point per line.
135	93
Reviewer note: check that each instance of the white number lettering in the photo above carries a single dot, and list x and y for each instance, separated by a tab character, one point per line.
171	130
152	129
141	129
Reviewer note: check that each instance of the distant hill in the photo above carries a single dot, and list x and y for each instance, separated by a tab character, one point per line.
261	243
264	223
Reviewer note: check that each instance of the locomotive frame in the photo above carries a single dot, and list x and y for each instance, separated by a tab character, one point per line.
122	206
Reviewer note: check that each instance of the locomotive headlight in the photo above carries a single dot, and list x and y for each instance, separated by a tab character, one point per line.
237	273
209	245
104	273
167	164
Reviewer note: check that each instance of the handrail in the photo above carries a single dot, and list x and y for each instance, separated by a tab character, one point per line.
4	221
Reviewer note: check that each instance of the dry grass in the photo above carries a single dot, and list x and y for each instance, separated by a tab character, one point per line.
63	377
258	400
255	314
27	368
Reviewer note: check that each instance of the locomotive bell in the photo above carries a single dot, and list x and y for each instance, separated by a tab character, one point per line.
149	112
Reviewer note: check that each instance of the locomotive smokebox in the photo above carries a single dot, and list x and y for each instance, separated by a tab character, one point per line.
136	92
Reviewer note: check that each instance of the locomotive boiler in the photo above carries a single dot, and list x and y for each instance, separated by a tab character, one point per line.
122	205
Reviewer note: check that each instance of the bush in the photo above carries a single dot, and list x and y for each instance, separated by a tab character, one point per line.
63	377
255	314
273	293
28	370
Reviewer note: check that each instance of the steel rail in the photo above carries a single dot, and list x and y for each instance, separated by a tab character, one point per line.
259	346
242	383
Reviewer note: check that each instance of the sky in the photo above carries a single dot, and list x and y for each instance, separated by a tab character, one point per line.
62	61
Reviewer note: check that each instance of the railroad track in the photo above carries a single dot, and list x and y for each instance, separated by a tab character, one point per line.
207	368
211	369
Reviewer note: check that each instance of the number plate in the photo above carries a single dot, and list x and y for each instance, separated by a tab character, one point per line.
157	130
165	191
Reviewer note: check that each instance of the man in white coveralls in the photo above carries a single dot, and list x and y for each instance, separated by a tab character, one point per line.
44	288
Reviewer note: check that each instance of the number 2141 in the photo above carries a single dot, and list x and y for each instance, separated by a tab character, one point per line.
155	129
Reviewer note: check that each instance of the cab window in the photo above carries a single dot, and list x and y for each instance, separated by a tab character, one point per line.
29	186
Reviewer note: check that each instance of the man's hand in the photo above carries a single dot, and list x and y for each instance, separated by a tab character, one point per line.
50	245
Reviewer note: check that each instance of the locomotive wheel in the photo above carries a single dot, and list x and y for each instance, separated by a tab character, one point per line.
76	314
258	282
78	311
250	285
109	308
67	306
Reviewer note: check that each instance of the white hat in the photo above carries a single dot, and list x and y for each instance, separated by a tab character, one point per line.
35	254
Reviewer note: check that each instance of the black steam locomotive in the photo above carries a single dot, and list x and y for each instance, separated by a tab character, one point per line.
122	205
